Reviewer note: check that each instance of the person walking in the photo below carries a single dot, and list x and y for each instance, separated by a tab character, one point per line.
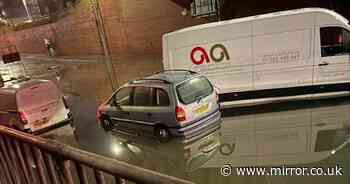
49	47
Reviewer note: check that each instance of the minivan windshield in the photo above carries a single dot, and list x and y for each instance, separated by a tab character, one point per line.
37	96
194	89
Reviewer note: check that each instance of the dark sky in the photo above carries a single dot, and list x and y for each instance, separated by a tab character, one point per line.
234	9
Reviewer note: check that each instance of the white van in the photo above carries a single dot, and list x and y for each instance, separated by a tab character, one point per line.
278	56
33	106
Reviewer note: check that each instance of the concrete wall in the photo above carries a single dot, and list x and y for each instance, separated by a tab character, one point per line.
133	27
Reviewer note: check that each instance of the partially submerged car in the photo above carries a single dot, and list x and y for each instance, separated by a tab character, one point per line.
175	102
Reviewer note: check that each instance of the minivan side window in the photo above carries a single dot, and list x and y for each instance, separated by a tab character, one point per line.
335	41
123	96
142	96
161	98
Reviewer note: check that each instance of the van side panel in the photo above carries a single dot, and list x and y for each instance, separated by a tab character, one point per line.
165	51
283	52
264	56
226	59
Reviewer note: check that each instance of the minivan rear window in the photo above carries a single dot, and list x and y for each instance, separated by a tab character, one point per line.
189	91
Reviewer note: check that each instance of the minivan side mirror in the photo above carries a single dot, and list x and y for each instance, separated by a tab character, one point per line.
115	103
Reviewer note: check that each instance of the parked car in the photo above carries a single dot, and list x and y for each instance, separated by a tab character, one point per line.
33	106
294	54
168	103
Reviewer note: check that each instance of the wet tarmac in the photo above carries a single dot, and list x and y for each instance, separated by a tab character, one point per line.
302	134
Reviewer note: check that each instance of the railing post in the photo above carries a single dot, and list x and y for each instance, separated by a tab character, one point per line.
41	166
52	168
22	162
68	171
8	161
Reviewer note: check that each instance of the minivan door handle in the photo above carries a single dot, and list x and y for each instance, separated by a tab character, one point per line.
323	64
149	114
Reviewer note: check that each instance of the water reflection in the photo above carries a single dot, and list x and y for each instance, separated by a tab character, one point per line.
293	134
177	157
284	138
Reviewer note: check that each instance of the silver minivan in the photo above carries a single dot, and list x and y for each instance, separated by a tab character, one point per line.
175	102
33	106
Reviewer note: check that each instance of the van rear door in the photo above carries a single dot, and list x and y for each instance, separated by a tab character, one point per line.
40	103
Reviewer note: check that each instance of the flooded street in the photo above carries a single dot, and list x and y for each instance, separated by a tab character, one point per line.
295	134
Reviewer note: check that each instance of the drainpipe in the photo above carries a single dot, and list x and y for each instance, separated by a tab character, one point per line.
104	42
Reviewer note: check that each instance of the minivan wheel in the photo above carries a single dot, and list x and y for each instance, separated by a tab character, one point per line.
162	133
107	125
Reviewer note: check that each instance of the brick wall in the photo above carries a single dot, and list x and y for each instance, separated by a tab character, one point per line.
133	27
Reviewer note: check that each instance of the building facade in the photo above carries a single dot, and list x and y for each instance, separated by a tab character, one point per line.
132	26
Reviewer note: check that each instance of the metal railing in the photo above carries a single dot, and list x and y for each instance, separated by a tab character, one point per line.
31	159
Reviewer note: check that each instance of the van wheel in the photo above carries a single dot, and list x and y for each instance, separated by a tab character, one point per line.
162	133
107	124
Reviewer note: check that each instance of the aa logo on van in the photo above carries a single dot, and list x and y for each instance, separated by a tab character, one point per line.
207	58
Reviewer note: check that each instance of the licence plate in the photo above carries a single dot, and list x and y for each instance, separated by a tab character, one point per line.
39	122
202	109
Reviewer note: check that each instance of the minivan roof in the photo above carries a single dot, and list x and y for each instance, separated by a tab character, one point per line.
13	87
173	76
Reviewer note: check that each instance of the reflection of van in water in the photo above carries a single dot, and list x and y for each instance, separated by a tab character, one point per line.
32	105
292	137
258	59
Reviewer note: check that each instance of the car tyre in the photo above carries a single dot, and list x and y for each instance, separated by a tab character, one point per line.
106	124
162	133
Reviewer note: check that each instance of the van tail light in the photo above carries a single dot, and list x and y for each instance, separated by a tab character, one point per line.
180	114
65	103
23	116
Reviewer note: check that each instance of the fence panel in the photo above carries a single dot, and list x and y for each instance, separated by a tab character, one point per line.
33	160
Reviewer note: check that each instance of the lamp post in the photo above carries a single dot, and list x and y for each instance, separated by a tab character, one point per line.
95	4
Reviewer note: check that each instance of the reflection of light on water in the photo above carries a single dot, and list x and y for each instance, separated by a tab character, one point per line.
117	148
120	148
341	146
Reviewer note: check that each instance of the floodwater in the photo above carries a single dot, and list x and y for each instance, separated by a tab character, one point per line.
309	135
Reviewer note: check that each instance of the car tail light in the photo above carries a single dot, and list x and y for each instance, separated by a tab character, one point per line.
187	154
180	114
65	103
23	116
